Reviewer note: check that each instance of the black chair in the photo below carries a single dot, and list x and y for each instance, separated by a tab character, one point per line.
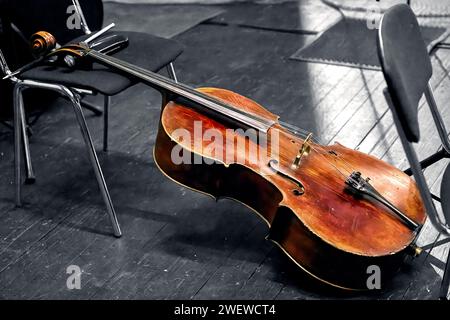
407	69
20	19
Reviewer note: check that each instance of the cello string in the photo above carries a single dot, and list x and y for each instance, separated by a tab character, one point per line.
139	71
301	133
344	162
298	131
330	163
158	80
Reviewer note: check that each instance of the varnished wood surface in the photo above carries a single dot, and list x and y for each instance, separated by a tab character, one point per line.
166	252
326	209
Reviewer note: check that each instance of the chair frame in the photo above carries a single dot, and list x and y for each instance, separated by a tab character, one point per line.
21	138
417	167
417	172
74	95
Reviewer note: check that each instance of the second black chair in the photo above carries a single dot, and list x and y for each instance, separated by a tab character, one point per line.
407	69
23	18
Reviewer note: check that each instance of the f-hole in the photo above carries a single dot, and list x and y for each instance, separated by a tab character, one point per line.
299	188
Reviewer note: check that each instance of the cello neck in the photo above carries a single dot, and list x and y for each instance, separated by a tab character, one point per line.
165	85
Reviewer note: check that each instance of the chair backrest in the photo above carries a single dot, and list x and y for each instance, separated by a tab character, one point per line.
406	65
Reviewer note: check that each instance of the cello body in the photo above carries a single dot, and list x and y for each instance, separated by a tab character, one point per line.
328	232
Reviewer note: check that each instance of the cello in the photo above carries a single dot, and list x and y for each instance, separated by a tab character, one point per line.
335	212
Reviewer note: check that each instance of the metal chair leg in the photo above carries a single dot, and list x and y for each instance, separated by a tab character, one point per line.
17	144
95	163
171	72
107	100
30	178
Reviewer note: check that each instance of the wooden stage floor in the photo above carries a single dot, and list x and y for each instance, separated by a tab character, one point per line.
179	244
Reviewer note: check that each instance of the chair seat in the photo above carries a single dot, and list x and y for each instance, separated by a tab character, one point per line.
144	50
445	193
